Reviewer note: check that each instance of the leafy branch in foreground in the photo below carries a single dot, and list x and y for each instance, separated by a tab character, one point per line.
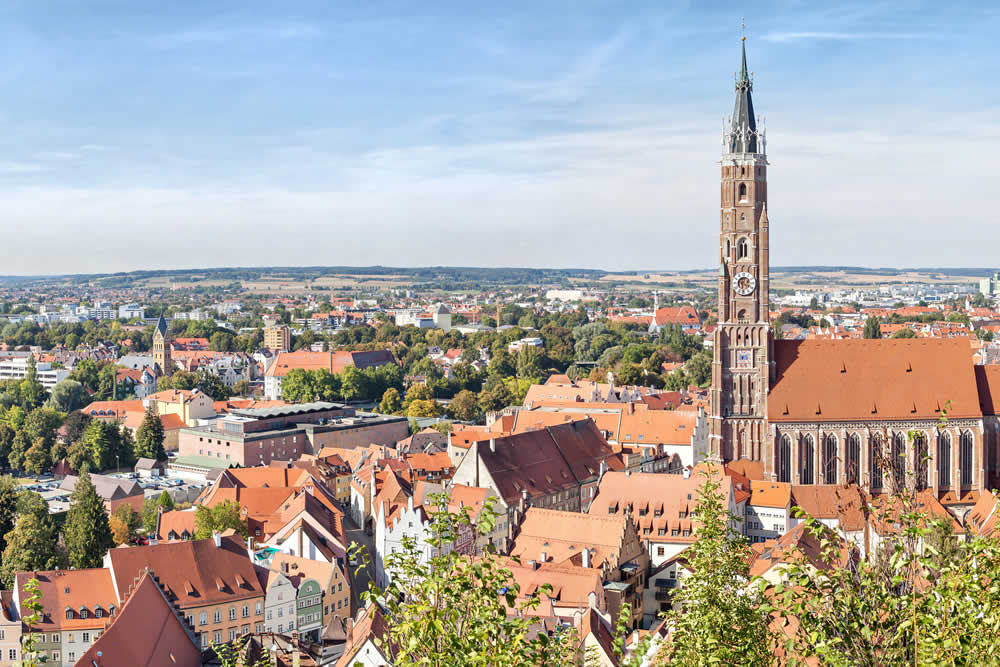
443	608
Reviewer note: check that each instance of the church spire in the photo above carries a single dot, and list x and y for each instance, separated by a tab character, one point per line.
743	125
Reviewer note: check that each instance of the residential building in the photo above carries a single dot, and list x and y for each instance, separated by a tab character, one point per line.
278	338
361	649
607	543
211	581
322	591
333	362
280	603
768	513
78	605
114	491
556	467
190	405
661	506
131	311
127	639
17	369
10	630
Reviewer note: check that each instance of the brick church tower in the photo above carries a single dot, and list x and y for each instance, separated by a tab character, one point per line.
161	347
744	344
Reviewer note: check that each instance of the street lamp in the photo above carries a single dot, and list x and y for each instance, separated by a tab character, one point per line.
118	465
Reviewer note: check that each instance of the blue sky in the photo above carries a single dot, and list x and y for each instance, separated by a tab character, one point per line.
188	134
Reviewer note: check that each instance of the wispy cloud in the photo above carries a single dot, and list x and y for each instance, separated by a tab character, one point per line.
587	68
841	36
291	31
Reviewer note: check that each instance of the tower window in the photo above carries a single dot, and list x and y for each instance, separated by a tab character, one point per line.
743	191
742	249
741	316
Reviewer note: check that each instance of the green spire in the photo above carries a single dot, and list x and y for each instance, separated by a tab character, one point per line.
743	126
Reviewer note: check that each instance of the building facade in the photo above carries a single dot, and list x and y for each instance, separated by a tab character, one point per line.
161	347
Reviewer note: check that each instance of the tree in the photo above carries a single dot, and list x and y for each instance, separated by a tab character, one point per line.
225	515
19	447
86	374
495	395
31	545
87	532
872	328
68	395
97	440
450	609
221	341
464	406
722	619
74	425
32	391
36	459
9	492
165	501
241	388
42	423
905	333
120	532
424	408
390	403
353	384
212	386
149	438
184	380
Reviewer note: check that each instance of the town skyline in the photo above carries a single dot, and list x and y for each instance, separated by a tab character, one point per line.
583	133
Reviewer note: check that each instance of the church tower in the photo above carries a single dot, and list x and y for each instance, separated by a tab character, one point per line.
742	367
161	347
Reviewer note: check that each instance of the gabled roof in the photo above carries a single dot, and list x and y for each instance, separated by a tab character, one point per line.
192	571
128	640
77	590
175	525
562	535
862	380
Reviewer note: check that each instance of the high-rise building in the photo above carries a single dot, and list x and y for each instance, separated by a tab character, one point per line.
741	371
278	338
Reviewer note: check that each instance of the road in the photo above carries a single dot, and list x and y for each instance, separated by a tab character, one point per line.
359	578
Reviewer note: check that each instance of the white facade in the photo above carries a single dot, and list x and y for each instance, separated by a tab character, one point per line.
131	310
279	605
17	369
408	523
762	523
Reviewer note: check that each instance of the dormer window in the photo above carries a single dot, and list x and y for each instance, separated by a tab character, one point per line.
99	613
70	614
83	613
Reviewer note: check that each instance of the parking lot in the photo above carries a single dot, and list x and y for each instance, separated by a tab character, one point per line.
182	490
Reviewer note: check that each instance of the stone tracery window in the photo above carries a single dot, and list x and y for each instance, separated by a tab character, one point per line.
944	460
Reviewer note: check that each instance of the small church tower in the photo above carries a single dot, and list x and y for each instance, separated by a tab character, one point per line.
161	347
741	370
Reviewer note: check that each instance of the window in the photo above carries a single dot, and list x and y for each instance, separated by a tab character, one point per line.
965	458
232	634
12	654
83	613
281	628
258	627
807	453
784	459
99	613
944	460
202	618
71	656
218	636
743	191
257	609
659	551
246	611
86	637
269	614
920	460
853	458
829	459
876	455
217	617
69	637
742	249
55	656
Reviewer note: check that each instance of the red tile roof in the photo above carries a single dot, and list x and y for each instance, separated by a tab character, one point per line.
836	380
79	590
129	641
195	573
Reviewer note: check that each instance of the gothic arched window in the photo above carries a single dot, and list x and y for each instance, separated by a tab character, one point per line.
853	458
944	460
920	460
965	458
876	466
742	249
743	191
899	460
830	459
784	459
807	458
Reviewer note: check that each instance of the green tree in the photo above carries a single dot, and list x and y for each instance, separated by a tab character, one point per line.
241	388
452	610
872	328
98	441
32	391
149	438
221	517
297	386
353	384
42	423
36	459
465	406
165	501
75	424
68	395
86	374
87	532
31	545
212	386
19	447
9	492
221	341
495	395
723	620
905	333
390	403
424	408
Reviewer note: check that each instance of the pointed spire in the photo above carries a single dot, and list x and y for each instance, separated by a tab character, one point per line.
743	126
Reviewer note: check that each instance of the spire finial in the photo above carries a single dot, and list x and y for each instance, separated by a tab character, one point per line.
743	29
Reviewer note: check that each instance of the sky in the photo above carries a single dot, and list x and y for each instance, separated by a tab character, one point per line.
186	134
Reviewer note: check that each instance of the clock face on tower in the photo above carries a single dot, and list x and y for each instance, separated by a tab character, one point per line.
744	283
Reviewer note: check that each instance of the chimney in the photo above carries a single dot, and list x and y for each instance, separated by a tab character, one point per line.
284	566
544	557
493	445
586	557
217	537
533	564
